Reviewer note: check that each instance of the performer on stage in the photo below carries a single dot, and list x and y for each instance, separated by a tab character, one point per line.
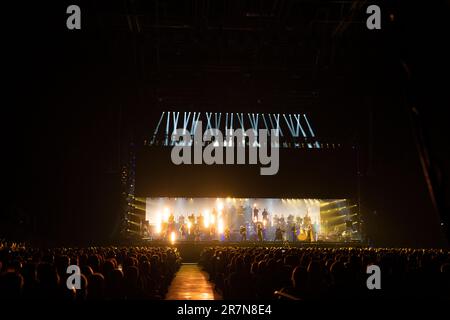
227	234
279	234
212	232
260	232
191	219
309	233
196	232
255	213
290	219
183	232
243	233
200	221
282	223
265	215
276	220
293	233
307	220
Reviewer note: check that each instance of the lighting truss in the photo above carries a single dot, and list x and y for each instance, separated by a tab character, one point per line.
294	130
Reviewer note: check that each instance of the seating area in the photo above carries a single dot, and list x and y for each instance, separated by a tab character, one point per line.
107	273
326	273
223	272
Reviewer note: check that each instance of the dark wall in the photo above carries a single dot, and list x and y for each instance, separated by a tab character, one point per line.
326	174
60	130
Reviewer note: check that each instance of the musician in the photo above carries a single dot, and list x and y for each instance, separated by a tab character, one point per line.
171	218
293	232
282	222
276	220
164	229
212	231
191	219
314	231
145	231
183	231
197	233
260	232
290	219
171	227
265	215
227	234
279	234
214	215
307	220
200	220
255	213
243	233
309	232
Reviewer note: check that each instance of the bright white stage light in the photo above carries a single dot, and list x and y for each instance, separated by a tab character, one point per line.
172	237
206	218
158	223
220	226
219	205
166	215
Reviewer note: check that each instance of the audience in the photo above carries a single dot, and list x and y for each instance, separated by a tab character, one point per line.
113	273
326	273
107	273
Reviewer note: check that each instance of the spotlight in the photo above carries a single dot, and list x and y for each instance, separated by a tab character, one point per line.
166	214
158	223
220	226
219	206
206	218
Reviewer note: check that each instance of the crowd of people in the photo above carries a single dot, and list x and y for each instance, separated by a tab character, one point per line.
111	273
107	273
321	273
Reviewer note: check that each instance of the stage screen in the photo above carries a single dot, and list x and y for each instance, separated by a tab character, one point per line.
223	218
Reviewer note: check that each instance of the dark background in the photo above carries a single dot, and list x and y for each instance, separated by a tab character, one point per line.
303	173
77	99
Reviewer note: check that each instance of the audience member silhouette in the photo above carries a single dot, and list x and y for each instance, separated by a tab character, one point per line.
30	273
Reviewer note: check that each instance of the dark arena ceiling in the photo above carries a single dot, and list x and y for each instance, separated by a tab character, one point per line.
92	94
